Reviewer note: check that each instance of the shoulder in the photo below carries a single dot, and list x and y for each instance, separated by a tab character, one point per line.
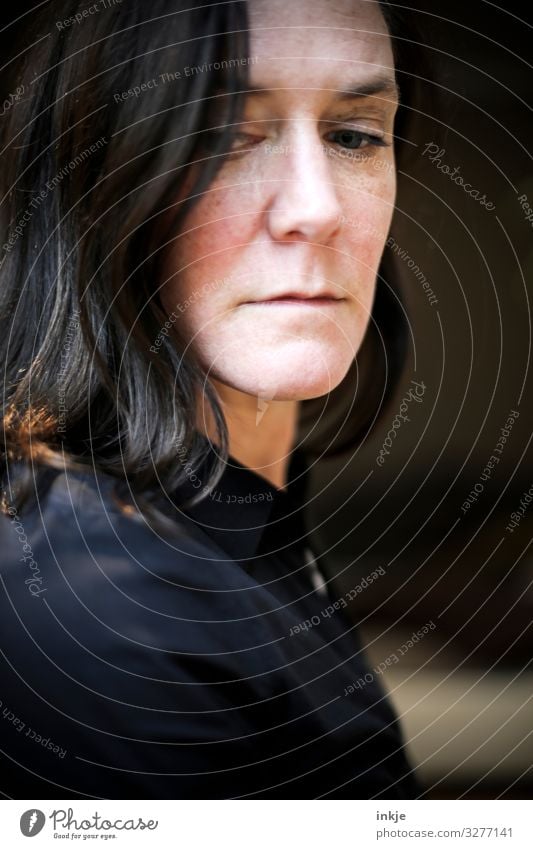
76	556
92	597
123	650
76	516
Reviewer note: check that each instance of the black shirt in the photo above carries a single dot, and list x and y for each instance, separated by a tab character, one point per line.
210	664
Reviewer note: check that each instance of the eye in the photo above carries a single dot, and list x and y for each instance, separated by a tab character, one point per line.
355	139
243	139
238	139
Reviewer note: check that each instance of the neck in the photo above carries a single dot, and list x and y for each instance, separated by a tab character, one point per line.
261	433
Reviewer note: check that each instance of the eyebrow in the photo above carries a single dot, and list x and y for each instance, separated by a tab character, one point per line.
368	88
381	85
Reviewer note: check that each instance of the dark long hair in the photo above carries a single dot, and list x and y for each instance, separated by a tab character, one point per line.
93	155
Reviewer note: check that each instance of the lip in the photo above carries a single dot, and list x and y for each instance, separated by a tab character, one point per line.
300	299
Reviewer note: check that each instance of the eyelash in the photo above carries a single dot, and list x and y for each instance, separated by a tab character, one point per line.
375	141
370	139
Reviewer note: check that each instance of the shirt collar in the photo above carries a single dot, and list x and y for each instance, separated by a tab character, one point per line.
246	515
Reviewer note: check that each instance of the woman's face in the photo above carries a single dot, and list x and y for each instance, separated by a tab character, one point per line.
274	275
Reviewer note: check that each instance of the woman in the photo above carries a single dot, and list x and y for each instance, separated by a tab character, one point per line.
196	214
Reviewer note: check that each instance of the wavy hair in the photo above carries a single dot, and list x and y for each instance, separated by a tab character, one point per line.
93	157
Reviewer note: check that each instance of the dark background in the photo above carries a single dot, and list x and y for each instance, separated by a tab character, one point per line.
465	691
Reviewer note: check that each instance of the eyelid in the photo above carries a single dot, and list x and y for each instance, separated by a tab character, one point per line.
255	131
376	130
363	125
372	140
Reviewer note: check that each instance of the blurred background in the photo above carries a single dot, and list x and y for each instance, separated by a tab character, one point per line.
464	691
434	515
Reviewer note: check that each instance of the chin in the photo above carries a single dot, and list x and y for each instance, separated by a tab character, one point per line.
295	375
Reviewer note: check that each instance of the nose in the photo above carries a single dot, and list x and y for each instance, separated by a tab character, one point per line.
305	205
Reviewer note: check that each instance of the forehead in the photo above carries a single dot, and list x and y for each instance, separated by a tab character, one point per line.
318	41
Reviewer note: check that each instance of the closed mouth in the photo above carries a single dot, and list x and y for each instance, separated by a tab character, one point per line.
299	298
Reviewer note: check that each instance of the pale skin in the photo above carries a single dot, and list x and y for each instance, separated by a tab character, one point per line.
295	223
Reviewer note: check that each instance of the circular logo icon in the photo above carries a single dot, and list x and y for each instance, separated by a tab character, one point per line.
32	822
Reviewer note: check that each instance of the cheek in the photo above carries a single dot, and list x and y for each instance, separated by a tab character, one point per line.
367	215
212	230
203	253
